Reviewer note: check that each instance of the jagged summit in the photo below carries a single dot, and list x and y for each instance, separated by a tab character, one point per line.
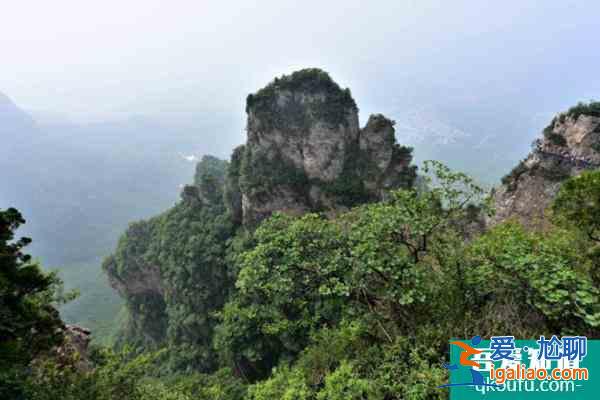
306	152
292	100
570	145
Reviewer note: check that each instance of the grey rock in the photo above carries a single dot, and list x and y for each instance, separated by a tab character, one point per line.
527	192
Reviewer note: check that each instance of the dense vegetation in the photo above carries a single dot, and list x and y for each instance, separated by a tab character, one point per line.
591	108
357	304
185	250
331	103
356	307
29	321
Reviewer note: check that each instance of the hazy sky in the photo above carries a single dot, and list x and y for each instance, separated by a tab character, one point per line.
89	58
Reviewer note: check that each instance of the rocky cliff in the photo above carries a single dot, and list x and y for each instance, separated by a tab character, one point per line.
570	145
306	152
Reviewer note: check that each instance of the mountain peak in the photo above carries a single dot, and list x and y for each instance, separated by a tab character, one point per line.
306	152
569	146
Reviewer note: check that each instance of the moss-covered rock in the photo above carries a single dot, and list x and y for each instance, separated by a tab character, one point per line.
306	152
298	99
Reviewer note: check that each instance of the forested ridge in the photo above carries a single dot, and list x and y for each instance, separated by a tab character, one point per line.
355	297
362	305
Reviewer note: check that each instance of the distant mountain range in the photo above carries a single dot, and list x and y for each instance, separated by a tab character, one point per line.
80	185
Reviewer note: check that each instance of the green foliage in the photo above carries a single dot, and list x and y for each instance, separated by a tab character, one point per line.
179	259
345	383
347	363
124	376
409	369
545	274
356	307
210	166
578	204
232	195
210	177
221	385
362	306
306	273
556	139
114	376
333	108
548	130
285	384
591	108
29	322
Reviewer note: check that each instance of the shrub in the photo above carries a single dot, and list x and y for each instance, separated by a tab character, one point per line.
591	108
556	139
512	178
333	109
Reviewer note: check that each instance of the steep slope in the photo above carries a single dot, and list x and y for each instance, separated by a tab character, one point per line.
304	152
570	145
171	269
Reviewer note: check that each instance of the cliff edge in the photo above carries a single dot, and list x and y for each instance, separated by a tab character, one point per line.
569	146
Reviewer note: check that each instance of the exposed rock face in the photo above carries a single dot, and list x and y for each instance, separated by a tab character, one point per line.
140	283
305	150
570	145
387	164
73	351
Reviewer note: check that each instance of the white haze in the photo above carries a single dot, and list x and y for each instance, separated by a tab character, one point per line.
91	58
447	71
